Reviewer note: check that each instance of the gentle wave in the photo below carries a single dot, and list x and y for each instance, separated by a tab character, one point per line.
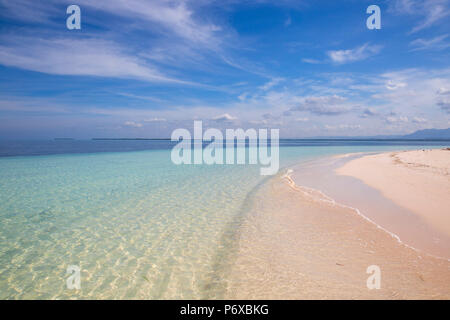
322	197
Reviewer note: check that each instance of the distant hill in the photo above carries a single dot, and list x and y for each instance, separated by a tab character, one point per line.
429	134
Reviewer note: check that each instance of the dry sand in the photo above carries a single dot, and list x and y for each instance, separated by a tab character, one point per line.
416	180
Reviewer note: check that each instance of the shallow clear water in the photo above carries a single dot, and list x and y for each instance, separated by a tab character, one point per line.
136	224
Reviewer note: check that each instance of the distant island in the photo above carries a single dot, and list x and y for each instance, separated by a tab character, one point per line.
429	134
426	134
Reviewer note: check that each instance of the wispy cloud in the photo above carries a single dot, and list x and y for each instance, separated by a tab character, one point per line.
174	16
352	55
436	43
323	105
29	11
133	124
430	12
393	119
155	120
271	83
421	90
419	120
434	11
81	57
139	97
177	36
344	126
443	91
311	61
395	84
224	118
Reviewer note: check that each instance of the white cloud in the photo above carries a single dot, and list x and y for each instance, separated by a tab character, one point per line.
393	85
392	119
311	61
83	57
259	122
132	124
323	105
437	43
429	11
224	118
146	98
443	91
343	126
433	11
176	16
425	89
356	54
155	120
402	6
271	83
243	96
419	120
172	32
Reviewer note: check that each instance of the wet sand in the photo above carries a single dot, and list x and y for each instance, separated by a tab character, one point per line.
416	180
300	243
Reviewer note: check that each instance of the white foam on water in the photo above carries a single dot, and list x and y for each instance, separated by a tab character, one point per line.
322	197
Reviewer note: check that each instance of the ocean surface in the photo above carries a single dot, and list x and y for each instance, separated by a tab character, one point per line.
137	225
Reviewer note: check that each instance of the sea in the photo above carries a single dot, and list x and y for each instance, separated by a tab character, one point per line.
135	225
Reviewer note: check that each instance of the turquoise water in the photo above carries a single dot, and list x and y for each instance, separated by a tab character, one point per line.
138	226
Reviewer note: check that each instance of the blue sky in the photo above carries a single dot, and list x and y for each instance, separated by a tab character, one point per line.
144	68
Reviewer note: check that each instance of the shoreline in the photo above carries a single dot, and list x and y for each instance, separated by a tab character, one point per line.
416	180
329	199
301	243
325	177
